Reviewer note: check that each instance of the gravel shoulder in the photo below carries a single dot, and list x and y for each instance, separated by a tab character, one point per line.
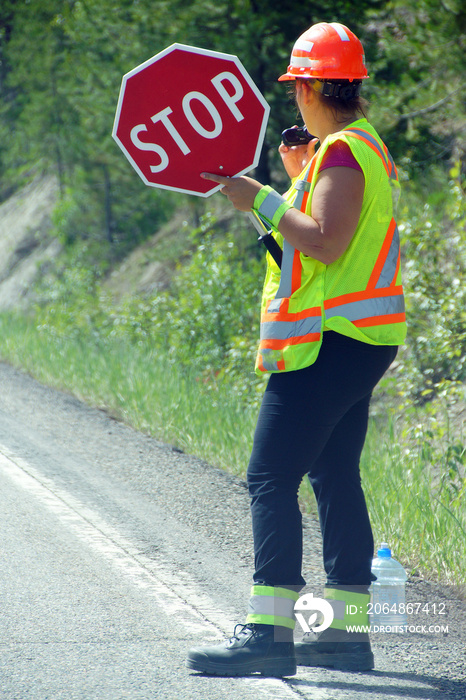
212	509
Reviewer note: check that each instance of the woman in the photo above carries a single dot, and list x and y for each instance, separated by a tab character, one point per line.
332	319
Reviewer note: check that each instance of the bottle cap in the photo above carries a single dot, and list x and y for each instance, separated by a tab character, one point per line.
384	551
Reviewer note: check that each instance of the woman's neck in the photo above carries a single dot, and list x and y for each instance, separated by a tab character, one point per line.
331	126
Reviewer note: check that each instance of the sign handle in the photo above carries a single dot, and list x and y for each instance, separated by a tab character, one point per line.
265	236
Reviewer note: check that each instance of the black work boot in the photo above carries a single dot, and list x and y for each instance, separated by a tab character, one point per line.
334	648
252	649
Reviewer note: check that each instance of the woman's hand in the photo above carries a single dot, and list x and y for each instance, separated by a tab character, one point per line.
241	191
295	158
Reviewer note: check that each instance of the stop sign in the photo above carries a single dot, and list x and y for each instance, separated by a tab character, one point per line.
189	110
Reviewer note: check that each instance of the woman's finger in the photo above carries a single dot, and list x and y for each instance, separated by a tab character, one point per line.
221	179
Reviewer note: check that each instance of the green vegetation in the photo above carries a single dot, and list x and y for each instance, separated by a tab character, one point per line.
138	385
412	464
177	361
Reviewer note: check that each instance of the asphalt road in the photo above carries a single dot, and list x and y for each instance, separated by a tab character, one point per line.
118	553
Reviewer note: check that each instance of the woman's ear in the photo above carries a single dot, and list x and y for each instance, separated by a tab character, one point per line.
307	94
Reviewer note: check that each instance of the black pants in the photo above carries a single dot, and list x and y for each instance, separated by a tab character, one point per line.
314	421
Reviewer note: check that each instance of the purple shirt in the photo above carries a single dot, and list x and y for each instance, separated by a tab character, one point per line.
339	154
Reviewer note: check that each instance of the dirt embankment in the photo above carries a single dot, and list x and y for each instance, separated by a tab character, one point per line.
27	249
25	246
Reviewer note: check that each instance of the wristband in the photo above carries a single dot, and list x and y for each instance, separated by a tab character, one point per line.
270	206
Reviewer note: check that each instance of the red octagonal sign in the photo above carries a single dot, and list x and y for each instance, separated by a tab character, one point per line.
186	111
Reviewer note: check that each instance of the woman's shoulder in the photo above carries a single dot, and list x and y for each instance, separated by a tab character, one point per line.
340	154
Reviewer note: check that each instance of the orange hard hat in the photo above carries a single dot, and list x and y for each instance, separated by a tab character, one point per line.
328	52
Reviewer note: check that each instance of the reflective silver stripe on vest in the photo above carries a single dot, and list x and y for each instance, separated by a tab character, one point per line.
393	174
269	363
388	271
388	160
281	330
274	306
367	308
285	289
271	605
302	185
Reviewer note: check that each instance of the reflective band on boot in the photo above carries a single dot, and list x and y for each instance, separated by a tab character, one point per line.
272	605
349	608
340	646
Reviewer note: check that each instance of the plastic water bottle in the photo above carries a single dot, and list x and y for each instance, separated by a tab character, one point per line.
388	603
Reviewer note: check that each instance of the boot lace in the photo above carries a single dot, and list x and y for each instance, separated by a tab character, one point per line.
243	630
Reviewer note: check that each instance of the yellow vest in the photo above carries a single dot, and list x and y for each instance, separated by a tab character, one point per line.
360	295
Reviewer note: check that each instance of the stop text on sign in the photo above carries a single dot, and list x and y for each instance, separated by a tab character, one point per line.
186	111
163	116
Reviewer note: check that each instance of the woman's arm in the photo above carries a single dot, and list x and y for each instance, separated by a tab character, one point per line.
336	208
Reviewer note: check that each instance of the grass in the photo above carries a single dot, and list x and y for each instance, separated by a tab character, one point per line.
415	493
137	386
412	468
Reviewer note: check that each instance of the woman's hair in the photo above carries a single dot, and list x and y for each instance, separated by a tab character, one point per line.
341	106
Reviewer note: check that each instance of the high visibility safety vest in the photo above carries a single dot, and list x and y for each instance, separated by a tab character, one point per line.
360	295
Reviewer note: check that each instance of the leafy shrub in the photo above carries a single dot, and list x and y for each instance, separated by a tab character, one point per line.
434	249
208	320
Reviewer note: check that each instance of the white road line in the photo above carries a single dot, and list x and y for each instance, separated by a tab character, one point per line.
175	593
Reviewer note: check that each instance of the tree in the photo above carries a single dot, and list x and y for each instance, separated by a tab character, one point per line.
61	63
262	35
417	57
